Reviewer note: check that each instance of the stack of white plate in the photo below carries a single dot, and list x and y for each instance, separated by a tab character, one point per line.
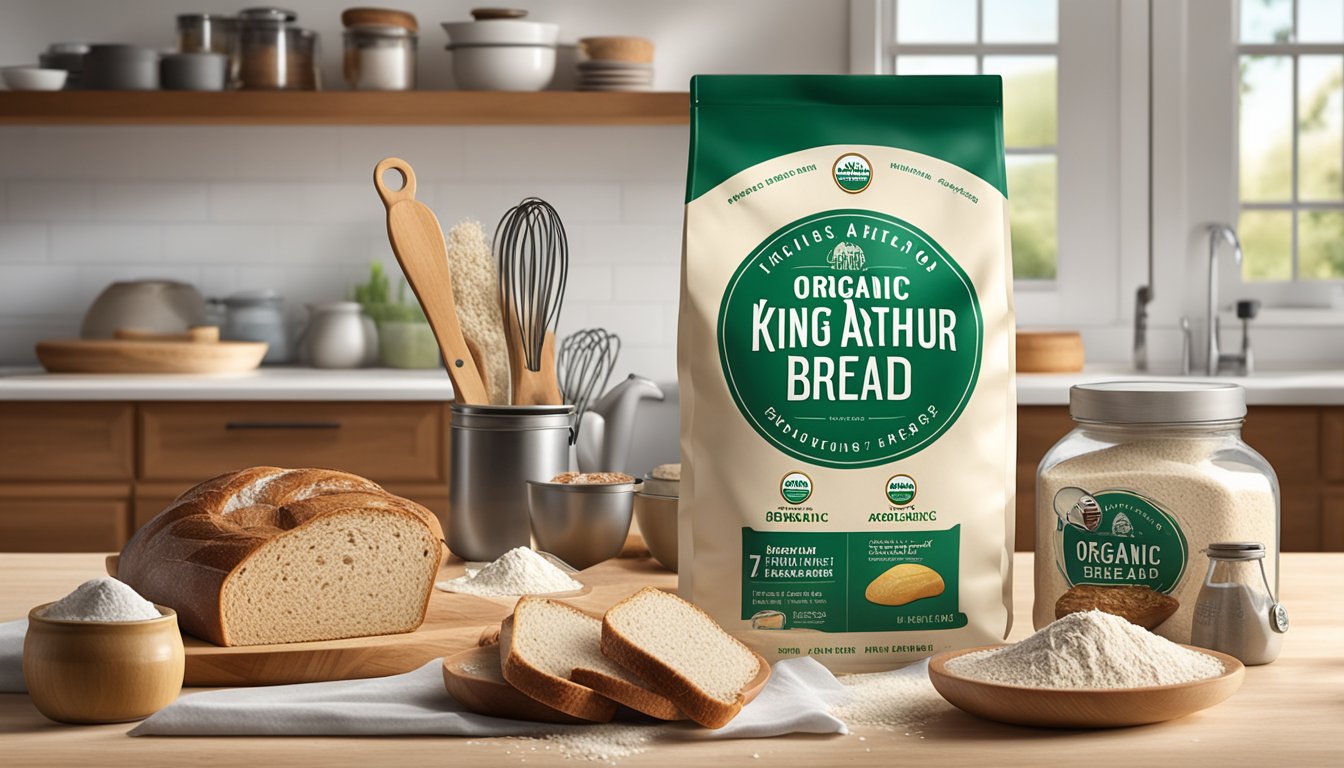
605	75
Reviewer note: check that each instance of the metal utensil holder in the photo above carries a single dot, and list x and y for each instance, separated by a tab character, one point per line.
495	450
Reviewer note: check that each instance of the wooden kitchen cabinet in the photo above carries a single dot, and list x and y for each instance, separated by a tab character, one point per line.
66	441
91	517
383	441
84	476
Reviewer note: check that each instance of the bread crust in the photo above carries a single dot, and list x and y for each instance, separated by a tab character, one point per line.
686	695
624	692
555	692
183	556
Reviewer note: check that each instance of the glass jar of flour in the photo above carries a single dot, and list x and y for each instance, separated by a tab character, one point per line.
1153	473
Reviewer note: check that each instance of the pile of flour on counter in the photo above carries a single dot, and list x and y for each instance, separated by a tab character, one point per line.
520	571
103	599
1089	649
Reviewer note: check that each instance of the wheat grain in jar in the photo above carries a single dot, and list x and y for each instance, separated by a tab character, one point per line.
1152	473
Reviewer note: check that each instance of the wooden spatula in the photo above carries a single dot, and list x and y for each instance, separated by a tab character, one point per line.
418	243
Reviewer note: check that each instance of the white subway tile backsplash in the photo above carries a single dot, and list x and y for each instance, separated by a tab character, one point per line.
218	282
154	201
323	244
576	203
588	283
41	200
293	209
19	334
106	243
656	362
295	202
655	283
289	153
434	152
21	242
37	289
574	153
220	243
636	323
252	278
626	243
652	203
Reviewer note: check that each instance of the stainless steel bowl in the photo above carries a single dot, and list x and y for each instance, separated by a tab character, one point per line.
581	524
657	518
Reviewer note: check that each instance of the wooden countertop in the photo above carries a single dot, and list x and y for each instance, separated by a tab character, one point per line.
1290	712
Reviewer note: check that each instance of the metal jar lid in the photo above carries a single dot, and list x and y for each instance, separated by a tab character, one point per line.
511	418
1235	550
1157	402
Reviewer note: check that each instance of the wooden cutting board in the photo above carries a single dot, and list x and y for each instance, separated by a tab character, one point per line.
454	622
144	356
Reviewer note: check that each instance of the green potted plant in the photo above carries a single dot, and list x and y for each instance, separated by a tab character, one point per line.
405	339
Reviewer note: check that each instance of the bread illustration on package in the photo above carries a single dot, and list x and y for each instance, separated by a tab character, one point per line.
845	355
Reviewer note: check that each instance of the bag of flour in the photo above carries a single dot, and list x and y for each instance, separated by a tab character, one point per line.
845	355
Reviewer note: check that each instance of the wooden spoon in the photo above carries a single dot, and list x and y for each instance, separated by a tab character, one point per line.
417	240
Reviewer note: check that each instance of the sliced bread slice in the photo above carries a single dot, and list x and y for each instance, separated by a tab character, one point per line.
682	653
474	679
550	651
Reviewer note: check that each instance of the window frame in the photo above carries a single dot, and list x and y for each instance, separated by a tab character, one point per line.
1280	292
1101	148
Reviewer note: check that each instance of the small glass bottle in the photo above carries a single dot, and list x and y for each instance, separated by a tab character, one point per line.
1237	612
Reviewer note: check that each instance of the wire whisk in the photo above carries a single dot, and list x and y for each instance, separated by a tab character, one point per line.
587	359
533	255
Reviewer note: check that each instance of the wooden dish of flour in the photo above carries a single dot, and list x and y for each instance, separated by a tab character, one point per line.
1082	707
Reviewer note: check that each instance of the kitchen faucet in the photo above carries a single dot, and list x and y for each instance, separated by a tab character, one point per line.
1240	364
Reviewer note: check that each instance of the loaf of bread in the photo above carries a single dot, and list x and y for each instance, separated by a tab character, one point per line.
268	555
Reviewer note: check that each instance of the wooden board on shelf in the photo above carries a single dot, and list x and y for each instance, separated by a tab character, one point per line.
344	108
454	622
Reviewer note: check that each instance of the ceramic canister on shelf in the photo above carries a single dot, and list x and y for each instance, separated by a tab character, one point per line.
194	71
118	67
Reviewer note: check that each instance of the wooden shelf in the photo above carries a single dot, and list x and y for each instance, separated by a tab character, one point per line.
342	108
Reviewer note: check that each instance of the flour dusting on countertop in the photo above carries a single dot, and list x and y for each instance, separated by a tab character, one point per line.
520	571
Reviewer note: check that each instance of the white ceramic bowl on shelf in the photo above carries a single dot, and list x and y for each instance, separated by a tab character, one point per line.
500	32
503	67
34	78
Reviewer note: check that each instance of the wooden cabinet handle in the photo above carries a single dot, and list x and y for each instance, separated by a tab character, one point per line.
283	425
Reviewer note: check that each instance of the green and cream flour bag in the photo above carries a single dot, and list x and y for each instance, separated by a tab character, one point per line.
845	355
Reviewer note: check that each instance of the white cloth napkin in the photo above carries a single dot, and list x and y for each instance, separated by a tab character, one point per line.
11	656
415	703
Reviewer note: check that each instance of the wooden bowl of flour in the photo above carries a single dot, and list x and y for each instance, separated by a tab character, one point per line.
102	671
1082	707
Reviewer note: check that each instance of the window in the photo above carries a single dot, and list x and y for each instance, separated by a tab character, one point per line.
1290	141
1075	122
1019	40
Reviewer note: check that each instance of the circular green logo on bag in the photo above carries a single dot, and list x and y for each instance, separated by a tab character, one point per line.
852	172
901	489
795	487
849	339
